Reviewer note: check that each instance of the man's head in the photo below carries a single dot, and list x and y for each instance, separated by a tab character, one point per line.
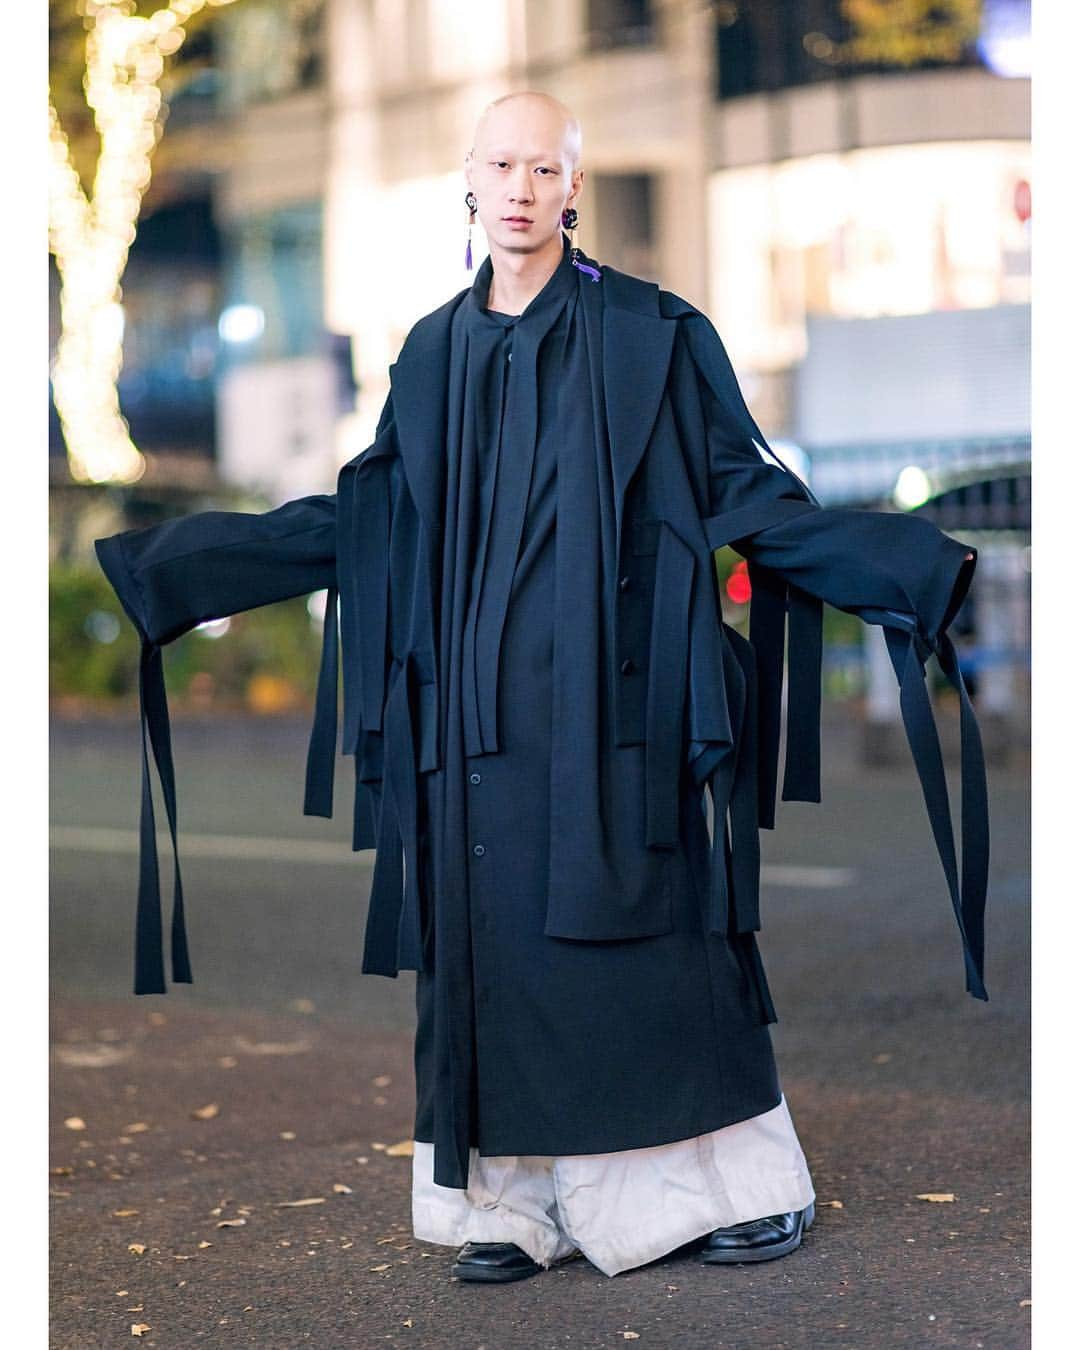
524	162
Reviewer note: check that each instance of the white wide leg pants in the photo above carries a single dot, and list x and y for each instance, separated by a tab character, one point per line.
618	1209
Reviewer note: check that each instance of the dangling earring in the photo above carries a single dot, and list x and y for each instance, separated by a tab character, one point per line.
470	202
569	220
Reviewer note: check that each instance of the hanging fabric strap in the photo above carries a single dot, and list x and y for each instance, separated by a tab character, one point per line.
392	939
734	895
774	604
665	698
322	747
909	651
154	720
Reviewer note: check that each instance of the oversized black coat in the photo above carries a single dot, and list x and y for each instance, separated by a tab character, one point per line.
695	707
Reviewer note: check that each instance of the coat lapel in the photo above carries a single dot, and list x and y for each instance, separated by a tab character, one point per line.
419	381
636	346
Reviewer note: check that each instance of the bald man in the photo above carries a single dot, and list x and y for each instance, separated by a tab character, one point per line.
539	691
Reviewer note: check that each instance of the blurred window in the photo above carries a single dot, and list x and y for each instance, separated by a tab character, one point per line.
619	23
274	268
271	48
903	229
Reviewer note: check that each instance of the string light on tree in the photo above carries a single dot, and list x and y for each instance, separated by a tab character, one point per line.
90	236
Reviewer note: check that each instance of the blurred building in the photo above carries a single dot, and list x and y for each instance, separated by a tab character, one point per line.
848	202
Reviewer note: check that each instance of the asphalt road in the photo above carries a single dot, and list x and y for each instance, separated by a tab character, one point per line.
899	1084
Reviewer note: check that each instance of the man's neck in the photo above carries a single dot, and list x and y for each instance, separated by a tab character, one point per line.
517	278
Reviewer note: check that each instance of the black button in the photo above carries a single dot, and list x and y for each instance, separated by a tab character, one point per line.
628	667
625	583
474	778
479	850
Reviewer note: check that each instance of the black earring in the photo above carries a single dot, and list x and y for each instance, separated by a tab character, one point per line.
470	202
570	220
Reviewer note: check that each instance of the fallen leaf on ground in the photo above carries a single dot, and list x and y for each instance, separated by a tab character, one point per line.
631	1335
383	1080
407	1322
378	1147
139	1127
93	1056
61	1171
75	1123
231	1223
834	1204
385	1266
295	1204
402	1149
1025	1303
340	1189
139	1328
287	1134
227	1061
204	1243
124	1213
137	1248
271	1047
939	1197
207	1112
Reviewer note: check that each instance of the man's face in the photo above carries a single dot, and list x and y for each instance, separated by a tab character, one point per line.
521	174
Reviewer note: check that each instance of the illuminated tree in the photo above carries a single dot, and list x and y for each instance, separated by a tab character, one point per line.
90	235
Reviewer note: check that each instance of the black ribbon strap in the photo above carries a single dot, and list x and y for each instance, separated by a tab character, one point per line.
775	602
154	719
802	761
319	776
909	651
666	689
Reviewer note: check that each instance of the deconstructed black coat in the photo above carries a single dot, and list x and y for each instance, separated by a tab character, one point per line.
693	703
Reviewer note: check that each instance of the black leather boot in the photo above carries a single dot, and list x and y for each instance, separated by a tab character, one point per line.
494	1262
758	1239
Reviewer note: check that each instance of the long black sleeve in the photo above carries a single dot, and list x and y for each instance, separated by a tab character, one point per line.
888	567
170	578
176	575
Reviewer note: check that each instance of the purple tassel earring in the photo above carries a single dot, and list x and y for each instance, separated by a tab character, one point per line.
470	202
569	220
